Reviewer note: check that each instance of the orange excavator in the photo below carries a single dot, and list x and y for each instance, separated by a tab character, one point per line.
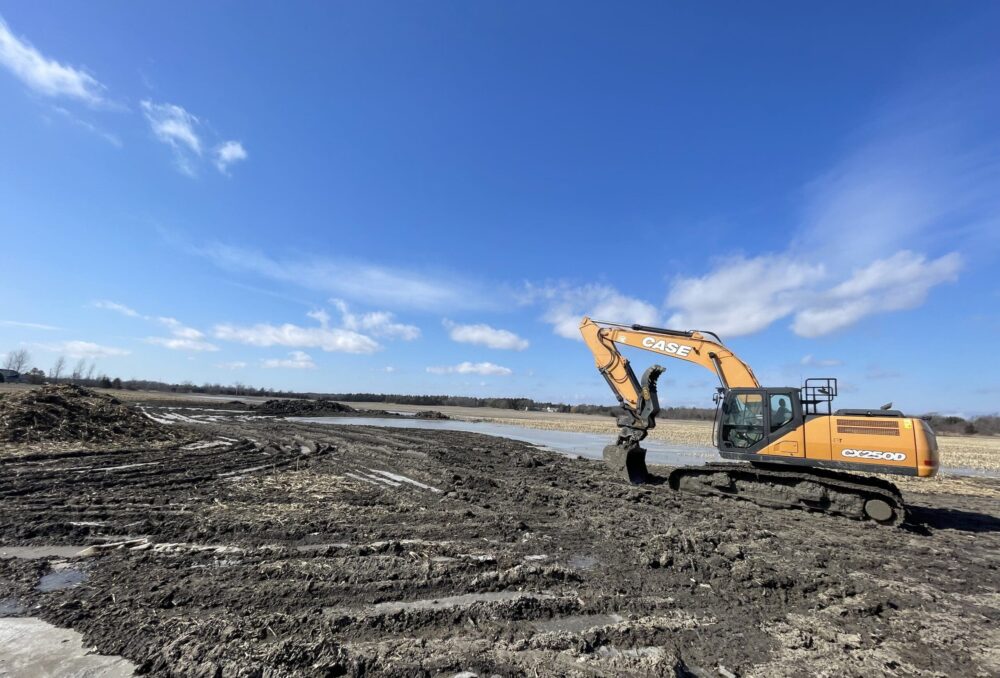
800	451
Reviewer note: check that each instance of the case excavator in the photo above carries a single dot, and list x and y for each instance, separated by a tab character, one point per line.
790	448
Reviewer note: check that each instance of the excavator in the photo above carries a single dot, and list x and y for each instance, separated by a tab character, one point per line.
791	449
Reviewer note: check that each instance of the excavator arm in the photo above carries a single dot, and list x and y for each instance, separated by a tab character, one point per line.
638	398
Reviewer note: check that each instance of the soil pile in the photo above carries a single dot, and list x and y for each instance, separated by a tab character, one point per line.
71	413
302	408
431	414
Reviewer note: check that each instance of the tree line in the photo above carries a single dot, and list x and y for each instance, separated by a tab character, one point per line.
85	373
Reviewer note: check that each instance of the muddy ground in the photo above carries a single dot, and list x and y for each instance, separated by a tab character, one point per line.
261	547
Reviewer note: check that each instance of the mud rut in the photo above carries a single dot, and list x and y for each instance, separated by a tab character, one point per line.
372	551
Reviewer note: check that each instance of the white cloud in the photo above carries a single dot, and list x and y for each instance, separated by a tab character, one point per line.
118	308
741	296
327	339
484	335
297	360
472	368
228	153
183	338
85	349
320	316
177	128
388	369
899	282
810	361
379	323
567	306
181	344
30	326
365	282
233	365
46	76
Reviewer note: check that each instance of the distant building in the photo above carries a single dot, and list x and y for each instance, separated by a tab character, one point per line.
9	375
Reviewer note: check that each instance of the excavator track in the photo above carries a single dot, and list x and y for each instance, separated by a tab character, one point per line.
776	486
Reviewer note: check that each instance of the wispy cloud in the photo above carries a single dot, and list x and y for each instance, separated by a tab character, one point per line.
180	129
297	360
379	323
566	305
45	75
84	349
112	139
232	365
229	153
182	337
486	369
896	283
741	296
29	326
177	128
811	361
116	307
483	335
368	283
325	338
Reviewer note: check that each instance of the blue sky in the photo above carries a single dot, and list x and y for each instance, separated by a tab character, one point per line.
426	197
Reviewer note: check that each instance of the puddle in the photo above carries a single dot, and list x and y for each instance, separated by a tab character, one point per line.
10	607
577	623
31	647
61	579
463	600
589	445
33	552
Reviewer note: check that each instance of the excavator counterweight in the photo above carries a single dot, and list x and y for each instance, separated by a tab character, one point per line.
796	446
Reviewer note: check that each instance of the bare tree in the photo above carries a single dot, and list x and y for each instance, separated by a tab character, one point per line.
81	365
17	360
90	371
56	372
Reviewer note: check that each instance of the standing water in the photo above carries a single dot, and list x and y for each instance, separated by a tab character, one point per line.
589	445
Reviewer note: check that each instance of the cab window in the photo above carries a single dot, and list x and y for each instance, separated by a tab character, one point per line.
781	411
743	419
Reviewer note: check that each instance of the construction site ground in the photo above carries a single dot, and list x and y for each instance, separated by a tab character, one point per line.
251	545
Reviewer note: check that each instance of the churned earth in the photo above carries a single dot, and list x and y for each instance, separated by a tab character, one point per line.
259	546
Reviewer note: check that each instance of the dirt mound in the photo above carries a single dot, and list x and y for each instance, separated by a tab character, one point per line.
302	408
72	413
431	414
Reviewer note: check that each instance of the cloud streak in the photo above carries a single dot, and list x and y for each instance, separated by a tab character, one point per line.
85	349
333	340
182	337
485	369
296	360
385	286
45	75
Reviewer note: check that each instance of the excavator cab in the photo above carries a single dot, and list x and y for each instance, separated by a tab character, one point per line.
748	419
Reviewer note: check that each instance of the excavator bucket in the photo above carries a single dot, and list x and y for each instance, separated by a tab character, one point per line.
628	463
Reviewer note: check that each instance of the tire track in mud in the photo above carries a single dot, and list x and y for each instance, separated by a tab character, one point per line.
525	561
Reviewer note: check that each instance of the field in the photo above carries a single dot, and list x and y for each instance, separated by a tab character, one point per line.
243	545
